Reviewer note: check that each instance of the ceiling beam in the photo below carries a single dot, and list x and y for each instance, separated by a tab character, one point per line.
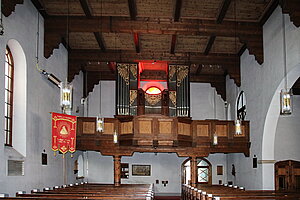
199	69
100	42
223	10
173	44
125	25
177	10
39	6
209	44
136	42
268	11
86	8
132	9
88	13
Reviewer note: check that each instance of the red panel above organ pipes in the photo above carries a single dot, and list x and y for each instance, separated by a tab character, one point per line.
153	73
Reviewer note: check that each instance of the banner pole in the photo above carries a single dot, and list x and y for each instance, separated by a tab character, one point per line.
64	170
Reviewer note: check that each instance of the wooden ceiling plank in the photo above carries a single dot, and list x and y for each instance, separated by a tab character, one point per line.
136	42
177	10
86	8
123	25
173	44
132	9
209	44
223	10
130	56
8	6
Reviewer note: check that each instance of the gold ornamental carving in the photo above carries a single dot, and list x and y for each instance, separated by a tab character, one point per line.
152	99
133	96
172	70
182	72
123	72
133	69
172	96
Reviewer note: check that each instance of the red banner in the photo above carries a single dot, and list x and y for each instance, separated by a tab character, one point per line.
63	133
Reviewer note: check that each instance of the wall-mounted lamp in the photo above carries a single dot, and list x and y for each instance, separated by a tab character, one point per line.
100	124
215	139
115	138
238	130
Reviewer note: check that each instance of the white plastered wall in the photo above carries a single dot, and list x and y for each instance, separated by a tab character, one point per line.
262	84
41	97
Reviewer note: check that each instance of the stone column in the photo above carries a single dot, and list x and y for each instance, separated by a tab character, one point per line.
194	171
117	170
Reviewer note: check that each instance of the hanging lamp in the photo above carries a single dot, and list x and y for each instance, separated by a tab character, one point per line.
286	93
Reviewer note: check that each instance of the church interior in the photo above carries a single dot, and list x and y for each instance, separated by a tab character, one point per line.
166	99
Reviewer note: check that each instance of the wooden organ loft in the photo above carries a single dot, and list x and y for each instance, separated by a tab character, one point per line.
153	115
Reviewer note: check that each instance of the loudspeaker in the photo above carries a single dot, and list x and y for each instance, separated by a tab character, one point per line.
254	161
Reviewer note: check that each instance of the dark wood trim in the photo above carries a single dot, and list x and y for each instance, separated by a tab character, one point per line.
271	7
177	10
173	44
136	42
100	42
223	10
132	9
38	5
209	44
86	8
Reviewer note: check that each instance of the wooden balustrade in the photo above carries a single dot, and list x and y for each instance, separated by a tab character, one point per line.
159	133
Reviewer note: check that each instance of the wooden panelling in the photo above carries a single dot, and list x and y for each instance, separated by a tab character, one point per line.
190	43
58	7
165	127
165	143
83	41
226	44
202	130
145	127
109	8
196	9
126	128
241	10
89	127
281	171
184	129
109	128
157	8
222	130
115	41
155	42
159	133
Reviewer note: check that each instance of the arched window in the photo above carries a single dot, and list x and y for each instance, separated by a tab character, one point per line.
203	171
9	80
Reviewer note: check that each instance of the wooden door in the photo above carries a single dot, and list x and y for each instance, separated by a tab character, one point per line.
287	175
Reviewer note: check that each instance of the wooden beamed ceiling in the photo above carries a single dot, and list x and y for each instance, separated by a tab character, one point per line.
203	34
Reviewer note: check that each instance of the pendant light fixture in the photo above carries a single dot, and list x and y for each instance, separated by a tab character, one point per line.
66	89
238	120
1	23
215	135
286	93
100	119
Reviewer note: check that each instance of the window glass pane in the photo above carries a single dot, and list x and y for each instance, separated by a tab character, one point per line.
6	68
5	125
5	109
8	110
10	69
6	82
202	175
9	84
6	96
